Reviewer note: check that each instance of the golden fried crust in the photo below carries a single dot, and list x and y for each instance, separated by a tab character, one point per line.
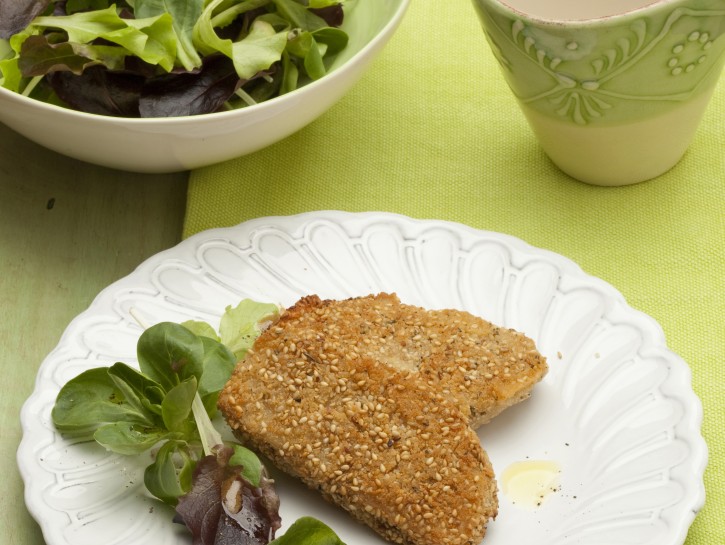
320	397
361	437
483	367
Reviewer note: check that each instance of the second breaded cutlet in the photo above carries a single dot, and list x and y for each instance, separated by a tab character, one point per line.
483	367
371	402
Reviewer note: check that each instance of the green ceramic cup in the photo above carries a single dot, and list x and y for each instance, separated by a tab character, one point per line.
613	89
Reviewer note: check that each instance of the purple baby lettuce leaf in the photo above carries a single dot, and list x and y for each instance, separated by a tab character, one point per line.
99	91
224	508
190	93
333	15
15	15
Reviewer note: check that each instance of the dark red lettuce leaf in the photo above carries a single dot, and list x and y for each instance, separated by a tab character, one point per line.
190	93
59	8
333	15
38	57
15	15
223	508
99	91
137	66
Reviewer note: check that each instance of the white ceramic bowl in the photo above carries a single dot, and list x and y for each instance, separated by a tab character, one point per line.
182	143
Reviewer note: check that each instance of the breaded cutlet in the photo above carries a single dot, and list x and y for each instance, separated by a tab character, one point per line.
484	367
378	442
371	402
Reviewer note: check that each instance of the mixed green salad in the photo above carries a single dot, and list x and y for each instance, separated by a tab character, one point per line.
163	58
220	491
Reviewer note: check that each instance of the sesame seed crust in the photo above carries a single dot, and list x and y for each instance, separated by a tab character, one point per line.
371	402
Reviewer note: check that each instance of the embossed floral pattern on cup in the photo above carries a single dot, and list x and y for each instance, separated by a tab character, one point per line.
595	72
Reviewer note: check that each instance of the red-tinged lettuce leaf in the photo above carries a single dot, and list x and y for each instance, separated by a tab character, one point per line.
136	65
15	15
223	508
333	15
99	91
190	93
39	57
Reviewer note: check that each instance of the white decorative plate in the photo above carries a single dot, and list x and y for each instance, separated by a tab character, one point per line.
616	413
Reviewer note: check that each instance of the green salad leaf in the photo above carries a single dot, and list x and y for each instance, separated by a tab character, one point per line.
130	411
176	406
150	39
137	389
169	353
299	15
218	366
252	468
308	531
92	399
241	325
169	477
184	16
129	438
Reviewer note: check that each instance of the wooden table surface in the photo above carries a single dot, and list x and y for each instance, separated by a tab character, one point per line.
67	230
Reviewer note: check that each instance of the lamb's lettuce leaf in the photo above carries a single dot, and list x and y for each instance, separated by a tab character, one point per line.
129	439
93	399
170	475
308	531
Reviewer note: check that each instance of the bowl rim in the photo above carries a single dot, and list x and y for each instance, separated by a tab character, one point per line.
257	109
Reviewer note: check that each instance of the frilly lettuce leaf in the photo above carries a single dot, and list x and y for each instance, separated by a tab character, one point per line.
241	325
257	51
152	39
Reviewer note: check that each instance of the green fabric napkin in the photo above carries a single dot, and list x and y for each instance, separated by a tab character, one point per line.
432	131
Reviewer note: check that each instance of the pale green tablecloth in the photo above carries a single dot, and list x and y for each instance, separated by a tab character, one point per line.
432	131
